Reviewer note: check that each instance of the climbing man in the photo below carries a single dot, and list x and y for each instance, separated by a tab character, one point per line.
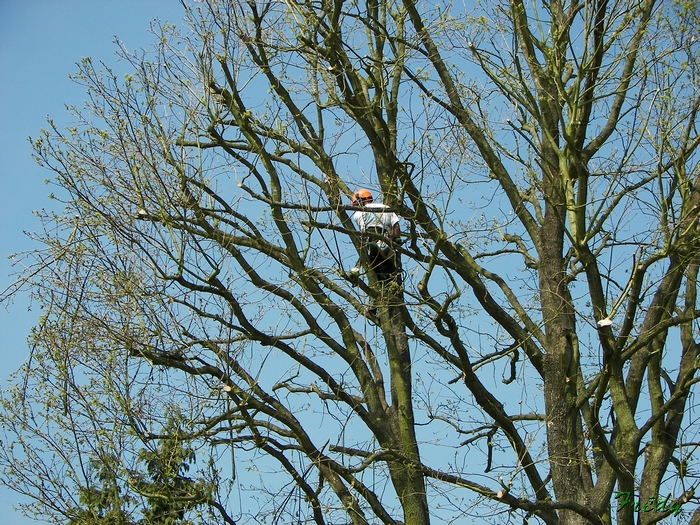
373	218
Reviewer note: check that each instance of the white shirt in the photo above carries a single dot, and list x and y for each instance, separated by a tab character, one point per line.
375	219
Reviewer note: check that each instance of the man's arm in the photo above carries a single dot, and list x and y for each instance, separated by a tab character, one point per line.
396	231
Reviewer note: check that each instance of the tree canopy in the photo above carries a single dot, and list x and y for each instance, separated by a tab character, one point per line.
203	355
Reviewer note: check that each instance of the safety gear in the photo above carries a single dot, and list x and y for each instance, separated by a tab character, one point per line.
361	196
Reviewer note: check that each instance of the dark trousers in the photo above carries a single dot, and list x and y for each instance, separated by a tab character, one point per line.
385	267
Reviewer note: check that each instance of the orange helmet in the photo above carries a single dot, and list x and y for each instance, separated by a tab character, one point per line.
361	196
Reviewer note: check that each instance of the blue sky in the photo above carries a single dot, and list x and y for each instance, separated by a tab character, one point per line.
40	43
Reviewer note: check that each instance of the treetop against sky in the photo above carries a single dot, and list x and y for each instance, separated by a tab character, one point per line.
204	354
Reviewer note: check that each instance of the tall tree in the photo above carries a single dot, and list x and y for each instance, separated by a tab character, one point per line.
536	360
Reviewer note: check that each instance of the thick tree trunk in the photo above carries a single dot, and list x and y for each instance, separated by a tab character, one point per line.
564	431
406	473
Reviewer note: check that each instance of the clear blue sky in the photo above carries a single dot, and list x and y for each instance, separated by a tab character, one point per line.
40	43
